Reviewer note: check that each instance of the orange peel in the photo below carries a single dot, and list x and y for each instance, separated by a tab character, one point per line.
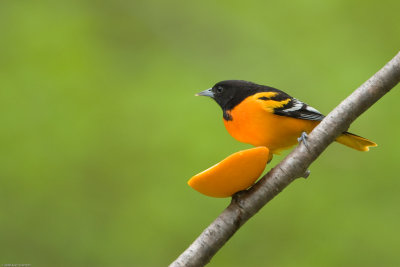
235	173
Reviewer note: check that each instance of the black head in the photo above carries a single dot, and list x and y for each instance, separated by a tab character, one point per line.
230	93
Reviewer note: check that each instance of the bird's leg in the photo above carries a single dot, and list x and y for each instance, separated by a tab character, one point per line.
303	138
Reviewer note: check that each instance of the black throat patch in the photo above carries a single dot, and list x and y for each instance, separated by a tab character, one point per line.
227	115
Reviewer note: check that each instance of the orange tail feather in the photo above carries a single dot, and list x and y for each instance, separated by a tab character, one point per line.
355	141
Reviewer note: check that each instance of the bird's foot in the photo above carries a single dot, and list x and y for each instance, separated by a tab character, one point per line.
303	138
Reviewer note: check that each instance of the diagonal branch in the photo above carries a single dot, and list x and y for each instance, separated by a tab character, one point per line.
247	203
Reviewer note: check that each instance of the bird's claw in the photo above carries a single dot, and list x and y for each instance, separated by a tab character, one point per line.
303	138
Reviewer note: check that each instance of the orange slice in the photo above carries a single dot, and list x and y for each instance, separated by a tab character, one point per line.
235	173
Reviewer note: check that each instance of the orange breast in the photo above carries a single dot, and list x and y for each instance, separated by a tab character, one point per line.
255	124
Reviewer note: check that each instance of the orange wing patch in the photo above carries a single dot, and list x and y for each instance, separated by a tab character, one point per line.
270	105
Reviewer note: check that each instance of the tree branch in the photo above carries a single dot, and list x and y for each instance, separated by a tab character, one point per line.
246	203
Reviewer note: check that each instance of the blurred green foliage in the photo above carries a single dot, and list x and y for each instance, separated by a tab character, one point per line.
100	130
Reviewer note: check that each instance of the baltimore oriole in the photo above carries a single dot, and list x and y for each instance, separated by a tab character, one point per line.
264	116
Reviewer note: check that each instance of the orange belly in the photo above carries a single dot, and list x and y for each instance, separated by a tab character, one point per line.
251	123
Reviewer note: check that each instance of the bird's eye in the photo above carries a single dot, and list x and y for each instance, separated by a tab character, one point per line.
219	89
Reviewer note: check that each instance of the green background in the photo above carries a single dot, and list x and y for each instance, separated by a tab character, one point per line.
100	130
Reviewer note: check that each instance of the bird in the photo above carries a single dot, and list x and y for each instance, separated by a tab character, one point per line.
261	115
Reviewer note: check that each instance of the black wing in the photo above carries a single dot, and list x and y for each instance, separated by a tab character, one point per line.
297	109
